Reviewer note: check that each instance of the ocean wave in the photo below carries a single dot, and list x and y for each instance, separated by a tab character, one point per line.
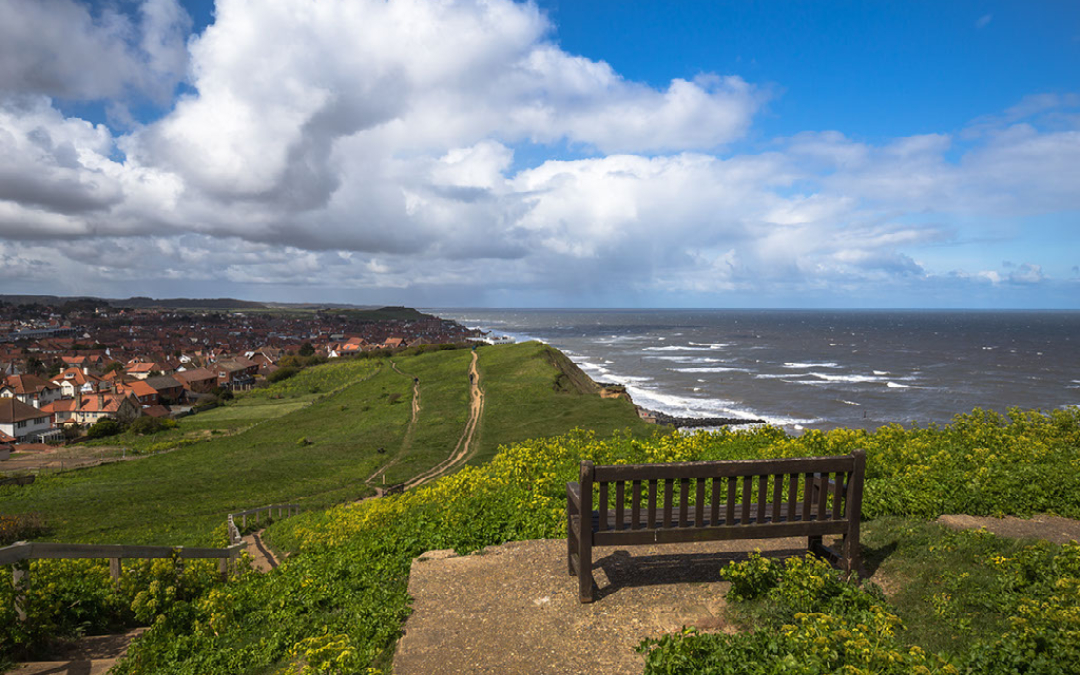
881	372
828	364
711	345
712	369
685	406
779	376
685	359
677	348
847	378
894	385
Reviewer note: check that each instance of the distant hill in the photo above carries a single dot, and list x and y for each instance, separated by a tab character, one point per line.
355	312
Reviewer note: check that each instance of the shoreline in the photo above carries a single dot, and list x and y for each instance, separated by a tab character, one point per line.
664	419
611	390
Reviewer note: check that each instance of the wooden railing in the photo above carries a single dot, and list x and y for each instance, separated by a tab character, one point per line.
22	551
236	533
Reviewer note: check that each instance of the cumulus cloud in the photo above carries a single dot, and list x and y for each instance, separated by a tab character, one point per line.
364	144
58	48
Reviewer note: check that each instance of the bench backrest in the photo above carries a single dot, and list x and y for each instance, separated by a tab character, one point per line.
725	493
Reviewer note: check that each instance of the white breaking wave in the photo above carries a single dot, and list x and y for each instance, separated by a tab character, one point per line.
711	345
893	385
881	372
847	378
779	376
685	406
714	369
677	348
849	402
684	359
829	364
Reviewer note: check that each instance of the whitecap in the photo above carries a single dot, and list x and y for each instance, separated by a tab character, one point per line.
849	402
893	385
881	372
812	365
846	378
676	348
713	369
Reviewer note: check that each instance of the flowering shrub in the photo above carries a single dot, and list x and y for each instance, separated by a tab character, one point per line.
339	601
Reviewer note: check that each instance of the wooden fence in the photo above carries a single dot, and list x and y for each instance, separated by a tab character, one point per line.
236	533
20	553
115	553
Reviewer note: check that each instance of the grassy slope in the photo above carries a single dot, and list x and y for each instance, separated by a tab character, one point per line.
312	440
532	391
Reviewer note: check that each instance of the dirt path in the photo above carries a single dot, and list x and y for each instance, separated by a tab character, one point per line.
1051	528
88	656
464	448
263	559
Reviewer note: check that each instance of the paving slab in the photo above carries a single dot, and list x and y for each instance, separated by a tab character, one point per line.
513	609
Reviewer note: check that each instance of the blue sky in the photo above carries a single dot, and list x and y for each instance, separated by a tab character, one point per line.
624	154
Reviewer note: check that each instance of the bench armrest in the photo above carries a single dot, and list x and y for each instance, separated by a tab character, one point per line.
573	495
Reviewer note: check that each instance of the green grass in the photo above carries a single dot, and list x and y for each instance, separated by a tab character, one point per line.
534	391
312	439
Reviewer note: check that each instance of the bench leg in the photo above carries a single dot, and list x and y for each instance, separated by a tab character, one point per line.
814	545
584	572
571	542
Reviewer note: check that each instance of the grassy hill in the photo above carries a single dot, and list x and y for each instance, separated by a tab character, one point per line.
313	440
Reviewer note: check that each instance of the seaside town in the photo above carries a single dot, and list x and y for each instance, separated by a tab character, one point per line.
68	365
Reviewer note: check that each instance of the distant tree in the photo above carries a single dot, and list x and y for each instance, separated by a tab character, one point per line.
115	365
306	349
35	366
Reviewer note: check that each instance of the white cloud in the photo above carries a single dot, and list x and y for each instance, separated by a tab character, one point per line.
363	144
58	48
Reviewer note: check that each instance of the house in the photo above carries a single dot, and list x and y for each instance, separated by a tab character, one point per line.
169	390
198	380
236	372
30	389
75	381
118	406
22	421
63	411
141	371
142	391
394	343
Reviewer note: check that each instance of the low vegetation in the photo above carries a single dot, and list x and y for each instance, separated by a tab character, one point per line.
338	603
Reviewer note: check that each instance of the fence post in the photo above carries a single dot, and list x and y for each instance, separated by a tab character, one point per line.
18	577
115	567
244	521
223	567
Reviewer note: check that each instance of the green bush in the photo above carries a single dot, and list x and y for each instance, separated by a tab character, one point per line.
104	428
146	425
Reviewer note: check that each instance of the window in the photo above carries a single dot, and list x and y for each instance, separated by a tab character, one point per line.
20	425
41	420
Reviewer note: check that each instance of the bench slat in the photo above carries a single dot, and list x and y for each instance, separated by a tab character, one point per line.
652	504
838	495
762	495
777	492
668	500
730	508
714	512
635	505
721	533
620	504
684	500
723	469
699	507
746	498
822	487
808	494
602	504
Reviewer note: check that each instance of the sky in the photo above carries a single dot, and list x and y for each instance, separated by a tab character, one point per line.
558	153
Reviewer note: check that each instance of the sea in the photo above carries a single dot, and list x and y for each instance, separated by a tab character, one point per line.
813	369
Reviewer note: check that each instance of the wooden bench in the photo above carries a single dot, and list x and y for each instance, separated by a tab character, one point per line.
641	504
